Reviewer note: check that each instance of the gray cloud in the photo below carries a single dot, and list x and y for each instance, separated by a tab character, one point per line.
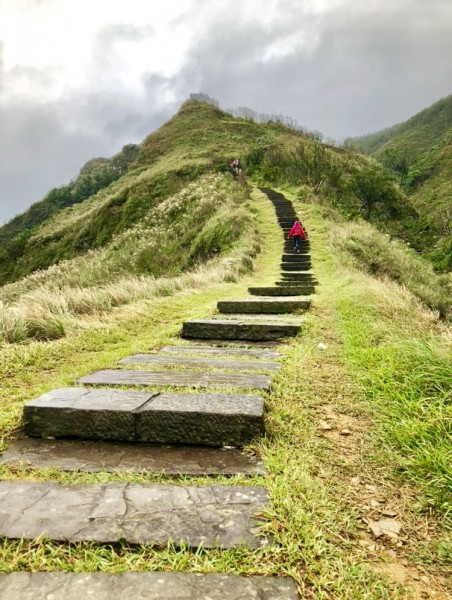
350	70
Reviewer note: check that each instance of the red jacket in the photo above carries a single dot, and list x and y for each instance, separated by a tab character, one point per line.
297	230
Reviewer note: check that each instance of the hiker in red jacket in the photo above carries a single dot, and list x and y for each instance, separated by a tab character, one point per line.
298	234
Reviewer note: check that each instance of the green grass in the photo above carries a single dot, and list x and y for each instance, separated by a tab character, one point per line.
314	517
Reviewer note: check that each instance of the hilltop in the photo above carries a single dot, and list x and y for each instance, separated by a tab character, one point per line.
110	197
419	152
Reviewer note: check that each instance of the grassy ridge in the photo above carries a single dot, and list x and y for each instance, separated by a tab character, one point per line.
314	515
419	152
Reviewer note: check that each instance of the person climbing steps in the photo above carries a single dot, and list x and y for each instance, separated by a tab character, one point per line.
297	233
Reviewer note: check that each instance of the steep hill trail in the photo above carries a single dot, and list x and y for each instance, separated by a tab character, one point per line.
332	519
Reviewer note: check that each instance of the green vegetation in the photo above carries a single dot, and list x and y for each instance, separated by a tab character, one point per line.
361	378
419	152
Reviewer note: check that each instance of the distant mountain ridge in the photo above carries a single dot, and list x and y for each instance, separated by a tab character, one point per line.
419	152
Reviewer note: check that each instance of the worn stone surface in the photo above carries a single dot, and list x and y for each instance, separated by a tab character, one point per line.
262	306
176	378
222	351
186	361
138	514
209	419
93	456
212	419
229	329
152	586
283	290
91	414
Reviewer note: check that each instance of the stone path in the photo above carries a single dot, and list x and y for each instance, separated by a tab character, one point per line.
92	456
183	361
213	329
210	419
176	379
211	516
152	586
263	305
222	351
174	433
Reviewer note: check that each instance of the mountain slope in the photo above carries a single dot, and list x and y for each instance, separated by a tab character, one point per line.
199	140
419	152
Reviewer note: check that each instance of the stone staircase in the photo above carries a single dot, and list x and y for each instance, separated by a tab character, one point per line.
144	425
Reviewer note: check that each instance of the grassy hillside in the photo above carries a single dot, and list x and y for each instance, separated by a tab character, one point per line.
176	207
199	139
419	152
370	359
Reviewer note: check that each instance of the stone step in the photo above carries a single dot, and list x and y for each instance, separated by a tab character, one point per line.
130	415
152	586
112	457
295	257
238	330
211	516
191	361
200	379
298	276
222	351
284	319
262	305
308	281
296	266
283	290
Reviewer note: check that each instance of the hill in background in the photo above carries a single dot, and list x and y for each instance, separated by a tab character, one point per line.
419	152
110	197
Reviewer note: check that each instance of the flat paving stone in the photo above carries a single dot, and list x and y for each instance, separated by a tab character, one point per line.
111	457
238	330
168	418
139	514
262	306
152	586
191	361
176	379
283	290
222	351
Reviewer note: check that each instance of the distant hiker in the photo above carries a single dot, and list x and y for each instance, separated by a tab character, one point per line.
298	234
235	167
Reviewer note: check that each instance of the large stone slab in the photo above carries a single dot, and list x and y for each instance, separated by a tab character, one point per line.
262	306
191	361
222	351
90	414
208	419
176	379
229	329
93	456
211	419
283	290
139	514
151	586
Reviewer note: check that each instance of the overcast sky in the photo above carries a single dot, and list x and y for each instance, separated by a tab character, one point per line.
79	78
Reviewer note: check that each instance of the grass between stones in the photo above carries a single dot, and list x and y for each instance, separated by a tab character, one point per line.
324	484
